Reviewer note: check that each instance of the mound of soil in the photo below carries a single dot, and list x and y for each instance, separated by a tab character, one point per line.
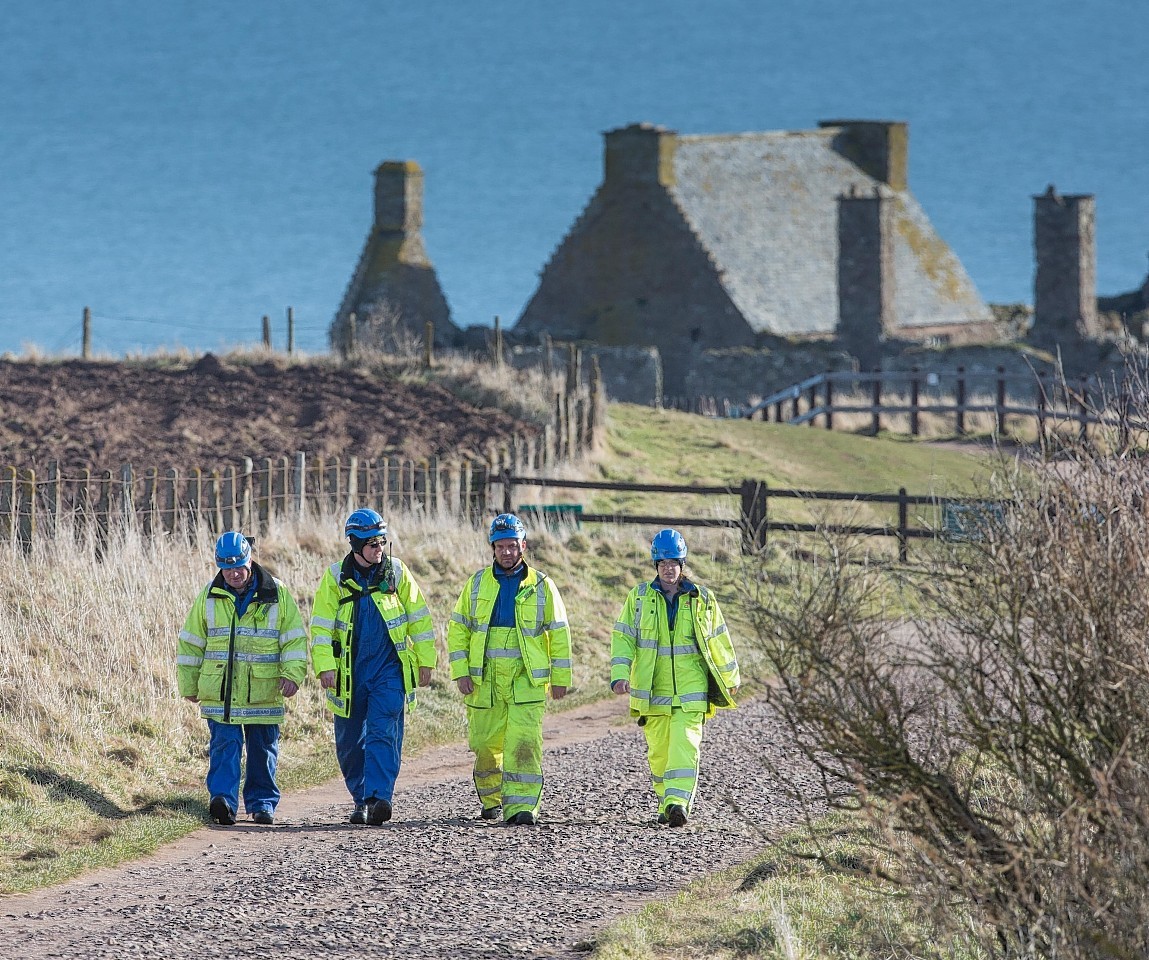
103	414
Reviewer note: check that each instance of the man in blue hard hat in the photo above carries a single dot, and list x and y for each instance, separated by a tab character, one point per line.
508	642
671	652
242	651
372	644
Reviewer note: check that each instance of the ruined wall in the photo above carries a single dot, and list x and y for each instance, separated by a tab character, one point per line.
629	374
742	373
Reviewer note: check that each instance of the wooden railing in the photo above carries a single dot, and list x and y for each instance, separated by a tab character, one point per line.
753	508
1049	401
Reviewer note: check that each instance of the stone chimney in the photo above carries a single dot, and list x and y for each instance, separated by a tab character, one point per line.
865	273
1065	282
640	154
879	148
398	197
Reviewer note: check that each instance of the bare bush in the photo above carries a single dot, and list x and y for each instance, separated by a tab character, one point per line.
985	716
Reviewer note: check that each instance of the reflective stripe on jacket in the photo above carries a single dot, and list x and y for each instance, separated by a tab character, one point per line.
402	607
641	629
540	621
234	664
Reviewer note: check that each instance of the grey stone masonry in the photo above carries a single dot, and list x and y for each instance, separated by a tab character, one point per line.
1065	283
394	291
865	274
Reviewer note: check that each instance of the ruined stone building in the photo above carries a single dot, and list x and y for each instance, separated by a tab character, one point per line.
696	243
394	291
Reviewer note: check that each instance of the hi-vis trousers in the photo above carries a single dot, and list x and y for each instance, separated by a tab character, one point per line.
673	745
505	730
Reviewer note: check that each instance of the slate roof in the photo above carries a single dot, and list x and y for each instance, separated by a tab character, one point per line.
764	205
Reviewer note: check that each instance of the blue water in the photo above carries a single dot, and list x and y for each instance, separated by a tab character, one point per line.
185	167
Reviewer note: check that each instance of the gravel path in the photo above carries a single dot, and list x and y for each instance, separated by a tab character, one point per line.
436	881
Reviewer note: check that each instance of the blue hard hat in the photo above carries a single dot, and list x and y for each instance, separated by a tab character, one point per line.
667	545
232	550
365	524
506	526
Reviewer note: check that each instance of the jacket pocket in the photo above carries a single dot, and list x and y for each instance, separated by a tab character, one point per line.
210	686
264	683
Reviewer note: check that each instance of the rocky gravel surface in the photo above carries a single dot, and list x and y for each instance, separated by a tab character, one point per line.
436	881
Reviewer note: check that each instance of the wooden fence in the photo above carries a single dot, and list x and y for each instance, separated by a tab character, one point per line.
753	518
247	496
1049	401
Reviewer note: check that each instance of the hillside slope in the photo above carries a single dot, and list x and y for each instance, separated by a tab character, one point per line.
211	410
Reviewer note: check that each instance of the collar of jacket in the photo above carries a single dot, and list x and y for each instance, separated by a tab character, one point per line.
530	577
379	574
265	590
685	587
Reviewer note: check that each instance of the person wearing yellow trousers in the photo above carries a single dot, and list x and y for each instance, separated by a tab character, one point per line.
508	640
671	652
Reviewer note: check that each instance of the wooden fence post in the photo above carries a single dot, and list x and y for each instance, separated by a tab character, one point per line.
498	345
829	401
169	500
299	486
194	501
1000	408
508	492
876	402
755	494
86	334
54	498
215	502
1041	414
290	330
246	495
266	331
467	489
84	502
151	491
103	511
903	525
915	391
959	406
27	510
127	495
10	501
429	344
1123	404
228	496
1083	409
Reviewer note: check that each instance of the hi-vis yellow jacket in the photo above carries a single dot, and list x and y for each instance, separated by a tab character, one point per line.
642	635
234	664
401	604
540	618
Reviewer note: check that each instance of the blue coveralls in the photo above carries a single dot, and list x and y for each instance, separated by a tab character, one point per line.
369	743
225	750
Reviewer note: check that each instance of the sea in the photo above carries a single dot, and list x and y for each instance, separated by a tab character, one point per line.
185	168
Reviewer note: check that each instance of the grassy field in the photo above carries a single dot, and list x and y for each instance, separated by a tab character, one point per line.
101	761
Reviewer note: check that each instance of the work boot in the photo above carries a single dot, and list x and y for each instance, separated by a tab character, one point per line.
220	812
264	817
359	814
663	818
378	812
491	813
524	819
676	815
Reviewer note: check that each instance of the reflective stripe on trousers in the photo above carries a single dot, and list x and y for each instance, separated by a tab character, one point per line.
673	746
506	737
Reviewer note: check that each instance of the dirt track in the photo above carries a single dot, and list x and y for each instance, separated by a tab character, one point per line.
436	882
